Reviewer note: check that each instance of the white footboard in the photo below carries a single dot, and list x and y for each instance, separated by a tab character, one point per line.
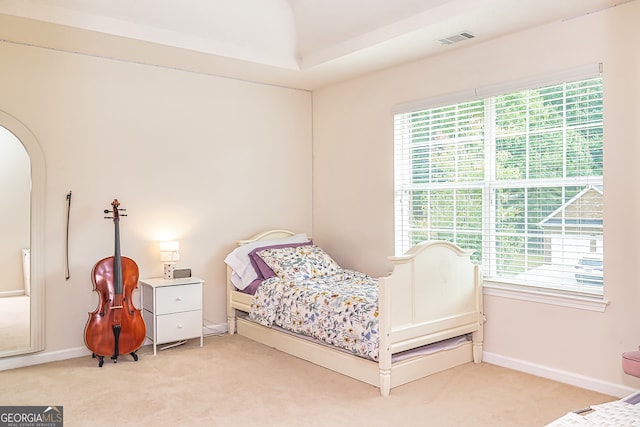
433	293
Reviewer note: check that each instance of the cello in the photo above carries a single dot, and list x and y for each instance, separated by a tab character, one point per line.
116	326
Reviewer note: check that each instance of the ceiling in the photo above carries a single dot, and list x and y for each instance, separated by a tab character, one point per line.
296	43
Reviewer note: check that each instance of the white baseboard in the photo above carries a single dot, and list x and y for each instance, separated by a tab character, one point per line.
570	378
42	357
54	356
12	293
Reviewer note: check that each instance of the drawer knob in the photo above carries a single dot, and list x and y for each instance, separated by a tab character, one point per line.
179	326
179	299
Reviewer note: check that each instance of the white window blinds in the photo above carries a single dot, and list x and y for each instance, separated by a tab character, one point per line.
515	176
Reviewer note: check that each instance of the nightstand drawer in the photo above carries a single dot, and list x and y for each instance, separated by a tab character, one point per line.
179	326
173	299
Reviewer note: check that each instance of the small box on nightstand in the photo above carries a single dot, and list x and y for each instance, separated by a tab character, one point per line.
182	273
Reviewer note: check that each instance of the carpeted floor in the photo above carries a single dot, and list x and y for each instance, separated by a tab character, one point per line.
233	381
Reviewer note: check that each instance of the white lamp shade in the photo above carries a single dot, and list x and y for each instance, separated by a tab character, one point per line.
169	251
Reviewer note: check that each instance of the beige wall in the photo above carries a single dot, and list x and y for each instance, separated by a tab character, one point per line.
353	183
192	157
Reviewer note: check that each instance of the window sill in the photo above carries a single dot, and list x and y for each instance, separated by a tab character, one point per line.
592	303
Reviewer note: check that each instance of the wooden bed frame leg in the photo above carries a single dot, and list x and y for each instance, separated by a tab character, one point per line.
477	346
385	382
231	323
231	312
477	352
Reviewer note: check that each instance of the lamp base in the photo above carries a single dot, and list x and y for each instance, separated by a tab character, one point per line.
168	270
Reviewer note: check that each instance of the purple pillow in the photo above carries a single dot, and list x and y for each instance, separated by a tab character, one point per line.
263	271
253	287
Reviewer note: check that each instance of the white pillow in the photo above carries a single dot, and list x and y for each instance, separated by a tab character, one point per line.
238	260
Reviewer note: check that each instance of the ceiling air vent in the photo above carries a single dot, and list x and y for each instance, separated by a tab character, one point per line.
465	35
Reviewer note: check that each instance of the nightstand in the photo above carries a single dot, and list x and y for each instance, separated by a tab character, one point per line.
172	309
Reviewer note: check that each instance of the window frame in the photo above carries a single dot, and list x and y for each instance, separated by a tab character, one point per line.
553	295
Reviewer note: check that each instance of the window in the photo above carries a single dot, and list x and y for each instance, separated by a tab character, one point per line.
515	176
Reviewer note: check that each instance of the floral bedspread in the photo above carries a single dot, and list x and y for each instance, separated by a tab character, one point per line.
340	310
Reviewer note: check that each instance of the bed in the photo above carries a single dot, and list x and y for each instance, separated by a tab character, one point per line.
429	315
